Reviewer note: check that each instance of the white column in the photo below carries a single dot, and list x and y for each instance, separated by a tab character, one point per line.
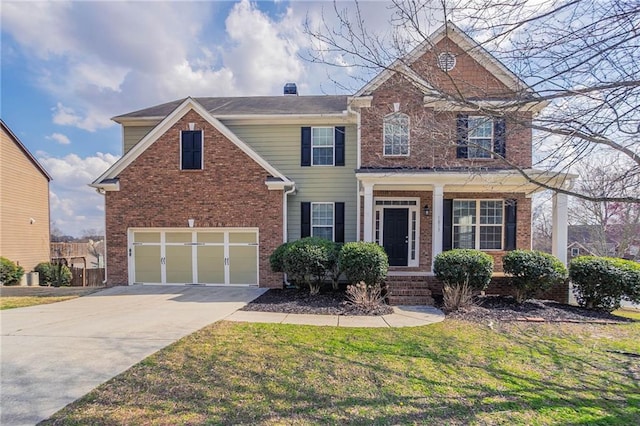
368	212
559	226
436	219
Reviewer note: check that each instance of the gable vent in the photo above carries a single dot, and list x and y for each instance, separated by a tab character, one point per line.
291	89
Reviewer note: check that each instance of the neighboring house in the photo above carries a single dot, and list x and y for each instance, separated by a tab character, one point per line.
24	203
207	188
613	240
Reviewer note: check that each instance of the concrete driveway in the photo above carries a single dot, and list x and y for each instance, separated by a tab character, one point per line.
53	354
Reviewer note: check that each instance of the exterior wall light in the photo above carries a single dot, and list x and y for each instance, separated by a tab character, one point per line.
426	210
192	222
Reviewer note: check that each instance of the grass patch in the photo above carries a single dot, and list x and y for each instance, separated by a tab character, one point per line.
8	302
454	372
628	313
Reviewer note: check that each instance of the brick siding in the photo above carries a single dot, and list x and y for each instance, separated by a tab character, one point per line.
230	191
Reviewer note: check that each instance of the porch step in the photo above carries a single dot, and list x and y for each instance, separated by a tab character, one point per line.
408	291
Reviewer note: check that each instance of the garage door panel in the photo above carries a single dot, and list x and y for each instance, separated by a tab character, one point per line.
210	237
211	265
242	238
243	264
178	237
179	265
146	237
147	264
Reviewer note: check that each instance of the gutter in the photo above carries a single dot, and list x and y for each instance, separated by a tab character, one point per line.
284	224
101	191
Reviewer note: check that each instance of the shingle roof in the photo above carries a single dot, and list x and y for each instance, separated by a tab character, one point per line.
253	105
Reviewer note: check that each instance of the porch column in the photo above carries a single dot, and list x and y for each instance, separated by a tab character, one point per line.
436	221
559	226
368	212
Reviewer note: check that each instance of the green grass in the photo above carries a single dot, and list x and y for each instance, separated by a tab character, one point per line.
449	373
628	313
24	301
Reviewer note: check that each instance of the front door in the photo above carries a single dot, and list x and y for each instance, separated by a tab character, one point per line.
395	236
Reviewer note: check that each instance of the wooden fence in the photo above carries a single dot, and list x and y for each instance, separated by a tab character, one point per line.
87	277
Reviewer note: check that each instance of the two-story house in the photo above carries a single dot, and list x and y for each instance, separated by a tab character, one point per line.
207	188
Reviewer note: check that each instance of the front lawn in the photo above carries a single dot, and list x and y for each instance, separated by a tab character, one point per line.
455	372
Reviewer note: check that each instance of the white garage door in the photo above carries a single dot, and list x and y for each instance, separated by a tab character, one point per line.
187	256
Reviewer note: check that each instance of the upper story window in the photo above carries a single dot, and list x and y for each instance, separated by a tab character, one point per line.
478	224
191	150
322	146
396	135
480	137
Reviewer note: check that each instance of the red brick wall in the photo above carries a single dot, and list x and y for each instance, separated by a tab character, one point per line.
230	191
433	133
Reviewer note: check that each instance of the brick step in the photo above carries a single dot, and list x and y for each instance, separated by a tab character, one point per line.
410	300
408	292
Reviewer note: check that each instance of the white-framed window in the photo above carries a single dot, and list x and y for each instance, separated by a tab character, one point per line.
322	146
478	224
575	251
396	134
322	220
480	137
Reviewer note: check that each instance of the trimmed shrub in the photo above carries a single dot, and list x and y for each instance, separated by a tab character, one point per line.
10	273
333	267
532	272
276	260
462	271
54	274
307	262
365	262
600	283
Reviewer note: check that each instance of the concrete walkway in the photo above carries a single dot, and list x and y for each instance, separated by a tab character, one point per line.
403	316
53	354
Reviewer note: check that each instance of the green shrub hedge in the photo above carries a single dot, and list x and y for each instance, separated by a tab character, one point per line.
532	272
464	266
53	274
10	273
600	283
366	262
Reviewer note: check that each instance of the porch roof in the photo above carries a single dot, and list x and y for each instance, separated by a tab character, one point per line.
526	181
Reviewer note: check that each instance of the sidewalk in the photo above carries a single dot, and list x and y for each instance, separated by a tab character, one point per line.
403	316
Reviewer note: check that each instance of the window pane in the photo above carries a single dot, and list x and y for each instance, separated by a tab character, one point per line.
464	212
480	137
322	136
396	134
464	237
322	156
490	237
323	232
491	212
322	214
479	148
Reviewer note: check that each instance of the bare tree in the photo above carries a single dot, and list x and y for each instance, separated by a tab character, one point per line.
609	227
581	57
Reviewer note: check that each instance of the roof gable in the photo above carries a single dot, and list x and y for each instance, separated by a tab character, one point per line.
465	43
24	149
107	179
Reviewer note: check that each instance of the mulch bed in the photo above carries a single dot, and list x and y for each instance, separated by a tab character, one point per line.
295	301
487	309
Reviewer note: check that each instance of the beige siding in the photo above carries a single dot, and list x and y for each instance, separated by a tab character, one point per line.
280	146
24	195
131	135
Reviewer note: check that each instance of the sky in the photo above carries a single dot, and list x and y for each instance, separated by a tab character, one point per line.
69	66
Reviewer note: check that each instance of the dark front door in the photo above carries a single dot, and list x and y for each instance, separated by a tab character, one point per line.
395	236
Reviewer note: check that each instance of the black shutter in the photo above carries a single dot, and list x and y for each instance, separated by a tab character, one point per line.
462	131
499	137
305	229
191	150
339	146
510	207
338	222
305	144
447	225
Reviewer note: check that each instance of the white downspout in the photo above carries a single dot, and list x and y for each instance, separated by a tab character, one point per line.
285	234
101	191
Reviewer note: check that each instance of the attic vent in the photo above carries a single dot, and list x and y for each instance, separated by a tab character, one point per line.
446	61
290	89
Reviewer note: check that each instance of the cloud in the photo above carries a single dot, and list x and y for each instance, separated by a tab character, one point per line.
60	138
74	205
91	121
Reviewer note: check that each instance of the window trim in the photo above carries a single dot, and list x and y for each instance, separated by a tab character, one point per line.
384	134
478	225
201	150
333	219
333	146
471	145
